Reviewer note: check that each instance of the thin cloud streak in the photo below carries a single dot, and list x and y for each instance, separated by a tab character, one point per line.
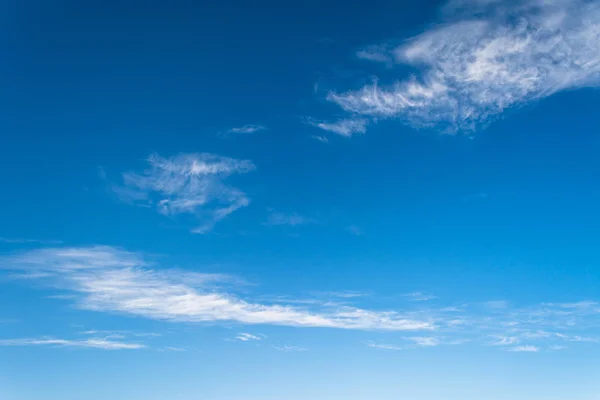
96	343
107	279
344	127
112	280
246	129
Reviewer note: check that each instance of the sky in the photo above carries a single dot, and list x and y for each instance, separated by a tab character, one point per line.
329	200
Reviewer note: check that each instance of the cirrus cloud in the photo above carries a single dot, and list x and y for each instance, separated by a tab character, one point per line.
486	58
192	184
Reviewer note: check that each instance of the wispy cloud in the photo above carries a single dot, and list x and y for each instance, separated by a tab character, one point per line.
384	346
525	349
247	337
418	296
246	129
423	341
106	279
321	139
112	280
292	219
376	53
25	241
191	184
486	57
289	348
96	343
344	127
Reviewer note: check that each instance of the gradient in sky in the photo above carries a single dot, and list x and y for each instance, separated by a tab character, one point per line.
300	200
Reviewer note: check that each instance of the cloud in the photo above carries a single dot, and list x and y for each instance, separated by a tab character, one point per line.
376	53
246	129
321	139
191	184
110	280
525	349
288	348
344	127
506	341
171	348
96	343
425	341
106	279
418	296
383	346
29	241
483	59
346	294
294	219
246	337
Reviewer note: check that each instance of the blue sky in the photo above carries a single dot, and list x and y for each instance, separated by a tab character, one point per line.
235	201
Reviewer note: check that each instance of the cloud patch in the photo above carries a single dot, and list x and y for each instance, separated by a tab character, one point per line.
106	279
188	184
345	127
485	58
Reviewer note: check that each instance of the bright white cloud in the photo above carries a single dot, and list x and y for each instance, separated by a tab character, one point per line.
96	343
344	127
488	57
192	184
113	280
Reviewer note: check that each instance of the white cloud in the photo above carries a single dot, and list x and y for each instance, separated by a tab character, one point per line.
246	129
425	341
112	280
506	341
288	348
488	58
171	348
26	241
418	296
321	139
525	349
292	219
344	127
376	53
383	346
188	184
106	279
247	337
96	343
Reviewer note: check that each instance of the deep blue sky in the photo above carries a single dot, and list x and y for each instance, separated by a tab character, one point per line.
261	200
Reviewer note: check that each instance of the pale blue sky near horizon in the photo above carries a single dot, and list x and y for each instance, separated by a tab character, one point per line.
328	200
